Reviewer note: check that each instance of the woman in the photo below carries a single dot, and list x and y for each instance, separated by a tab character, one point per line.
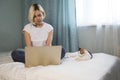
36	33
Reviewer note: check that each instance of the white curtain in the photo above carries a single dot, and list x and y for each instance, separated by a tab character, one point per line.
107	39
105	14
90	12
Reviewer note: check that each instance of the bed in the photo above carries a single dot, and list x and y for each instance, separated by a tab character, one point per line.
101	67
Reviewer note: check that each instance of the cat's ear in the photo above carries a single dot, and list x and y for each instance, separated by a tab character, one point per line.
79	48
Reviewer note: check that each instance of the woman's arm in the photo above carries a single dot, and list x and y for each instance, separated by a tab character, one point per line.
49	39
27	39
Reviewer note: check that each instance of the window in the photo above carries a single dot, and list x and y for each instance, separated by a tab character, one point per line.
94	12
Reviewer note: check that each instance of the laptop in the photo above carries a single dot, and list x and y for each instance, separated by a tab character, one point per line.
45	55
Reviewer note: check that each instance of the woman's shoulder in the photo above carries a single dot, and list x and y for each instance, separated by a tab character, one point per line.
47	25
28	25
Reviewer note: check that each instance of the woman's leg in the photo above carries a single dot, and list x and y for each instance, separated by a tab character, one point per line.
63	52
18	56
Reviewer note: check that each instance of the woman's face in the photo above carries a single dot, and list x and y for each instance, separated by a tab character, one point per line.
38	17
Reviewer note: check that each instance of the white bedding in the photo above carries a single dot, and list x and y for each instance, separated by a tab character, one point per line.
5	57
69	69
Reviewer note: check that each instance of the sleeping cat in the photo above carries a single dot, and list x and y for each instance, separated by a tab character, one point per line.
83	54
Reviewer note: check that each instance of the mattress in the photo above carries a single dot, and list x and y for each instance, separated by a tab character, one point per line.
101	67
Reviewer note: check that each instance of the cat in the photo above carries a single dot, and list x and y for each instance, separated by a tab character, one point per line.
84	54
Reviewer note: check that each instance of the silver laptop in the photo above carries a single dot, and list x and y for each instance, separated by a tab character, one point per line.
46	55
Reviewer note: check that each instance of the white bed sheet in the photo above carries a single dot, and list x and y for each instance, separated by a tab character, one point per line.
5	57
69	69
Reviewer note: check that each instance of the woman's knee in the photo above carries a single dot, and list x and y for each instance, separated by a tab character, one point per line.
63	52
18	56
14	54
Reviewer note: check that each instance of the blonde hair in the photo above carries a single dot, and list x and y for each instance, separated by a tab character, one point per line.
32	10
